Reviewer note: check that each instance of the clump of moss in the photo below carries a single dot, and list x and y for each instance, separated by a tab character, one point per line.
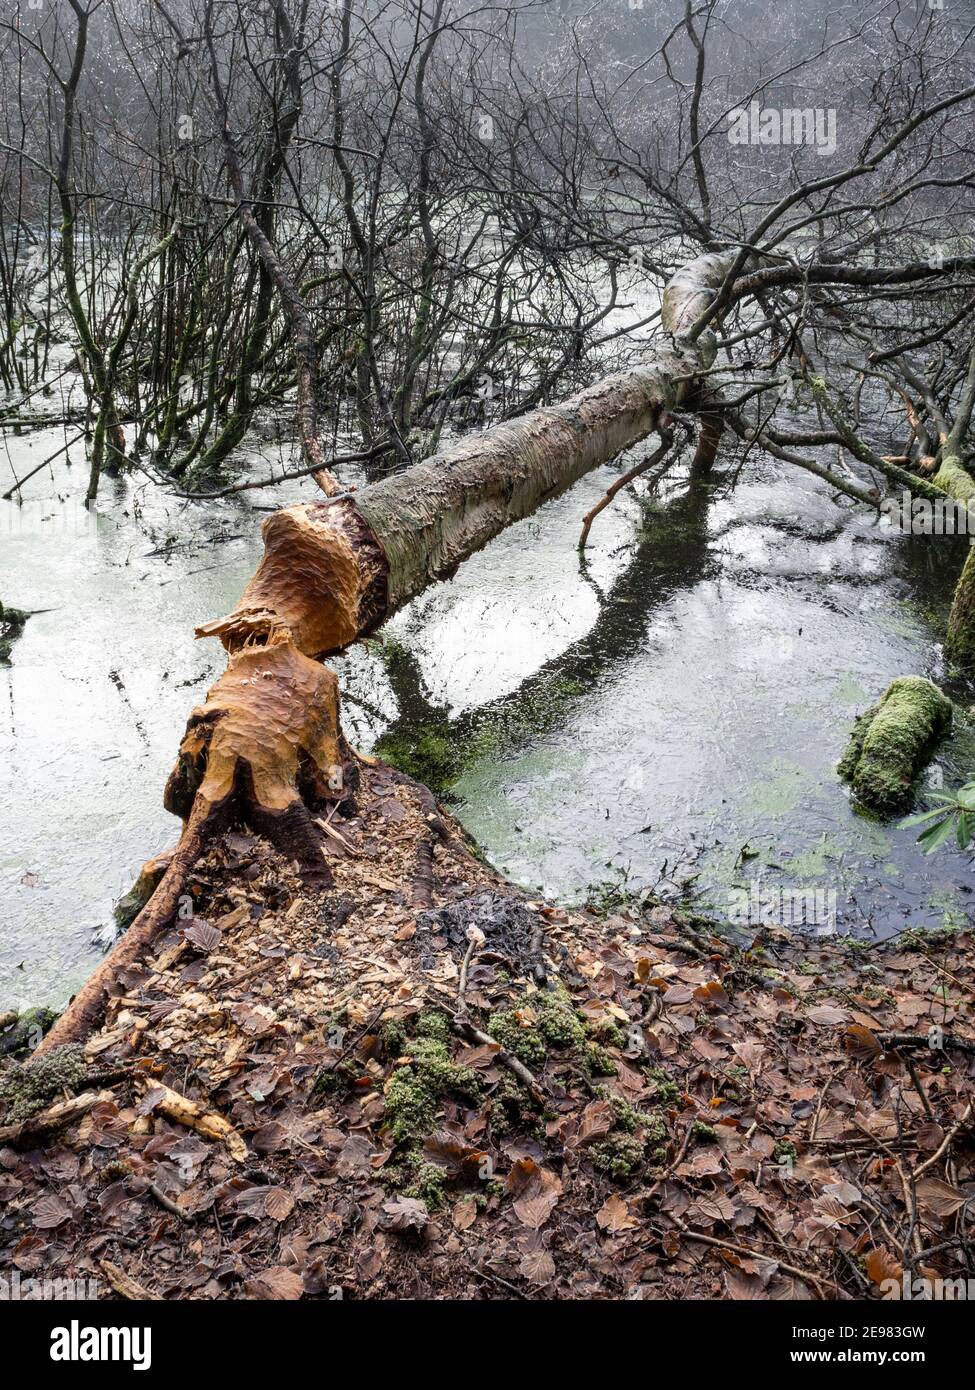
628	1118
549	1020
890	743
596	1061
434	1024
619	1155
337	1019
429	1182
960	634
518	1038
559	1023
26	1091
785	1151
667	1090
26	1032
637	1137
703	1133
414	1092
392	1037
655	1135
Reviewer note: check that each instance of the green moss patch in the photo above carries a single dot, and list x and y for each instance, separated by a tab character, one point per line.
546	1020
26	1091
26	1031
414	1092
597	1061
428	1183
891	743
637	1137
618	1156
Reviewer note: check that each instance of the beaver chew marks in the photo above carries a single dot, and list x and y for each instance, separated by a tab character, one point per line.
322	579
272	719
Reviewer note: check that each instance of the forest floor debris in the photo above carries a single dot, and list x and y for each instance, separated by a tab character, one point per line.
423	1083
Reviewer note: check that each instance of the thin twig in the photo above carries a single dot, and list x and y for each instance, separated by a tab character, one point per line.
621	483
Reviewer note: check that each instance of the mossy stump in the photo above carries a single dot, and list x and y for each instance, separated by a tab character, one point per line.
12	622
891	743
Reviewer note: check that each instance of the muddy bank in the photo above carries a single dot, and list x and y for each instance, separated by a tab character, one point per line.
422	1083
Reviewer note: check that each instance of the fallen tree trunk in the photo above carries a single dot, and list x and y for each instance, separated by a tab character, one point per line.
335	570
960	636
266	748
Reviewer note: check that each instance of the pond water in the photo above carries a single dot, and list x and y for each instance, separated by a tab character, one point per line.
667	715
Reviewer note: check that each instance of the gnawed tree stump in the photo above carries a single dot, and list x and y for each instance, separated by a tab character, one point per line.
268	743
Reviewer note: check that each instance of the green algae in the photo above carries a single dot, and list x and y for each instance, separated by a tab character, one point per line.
424	755
785	787
951	906
848	690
